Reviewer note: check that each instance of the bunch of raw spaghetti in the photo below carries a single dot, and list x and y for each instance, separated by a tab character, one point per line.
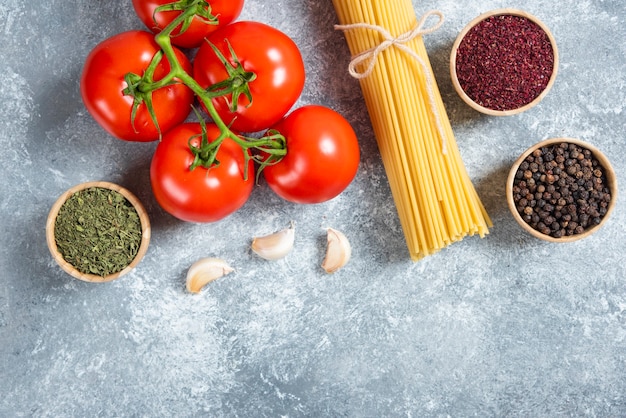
435	199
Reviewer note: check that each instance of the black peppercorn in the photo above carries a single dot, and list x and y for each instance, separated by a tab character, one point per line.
561	190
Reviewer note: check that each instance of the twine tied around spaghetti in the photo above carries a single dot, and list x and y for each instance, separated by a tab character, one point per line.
370	56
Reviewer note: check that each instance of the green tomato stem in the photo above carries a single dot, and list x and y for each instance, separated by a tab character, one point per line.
272	144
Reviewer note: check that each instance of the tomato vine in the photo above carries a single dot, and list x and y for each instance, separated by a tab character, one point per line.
272	144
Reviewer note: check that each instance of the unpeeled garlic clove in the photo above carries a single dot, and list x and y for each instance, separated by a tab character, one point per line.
338	251
205	271
274	246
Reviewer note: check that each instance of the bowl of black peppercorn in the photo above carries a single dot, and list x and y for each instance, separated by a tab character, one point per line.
561	189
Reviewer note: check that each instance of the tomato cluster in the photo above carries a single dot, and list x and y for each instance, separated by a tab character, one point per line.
246	76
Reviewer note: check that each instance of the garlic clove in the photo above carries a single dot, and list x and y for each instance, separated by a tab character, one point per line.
338	251
205	271
274	246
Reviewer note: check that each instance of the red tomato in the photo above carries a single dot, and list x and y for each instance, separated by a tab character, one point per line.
102	83
225	10
322	156
265	51
199	195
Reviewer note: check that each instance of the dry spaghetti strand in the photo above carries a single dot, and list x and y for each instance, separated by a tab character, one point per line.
435	199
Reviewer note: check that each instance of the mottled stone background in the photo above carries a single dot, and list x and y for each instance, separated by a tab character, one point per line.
502	326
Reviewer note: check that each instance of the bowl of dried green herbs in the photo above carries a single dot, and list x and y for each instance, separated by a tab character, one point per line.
561	189
98	231
504	62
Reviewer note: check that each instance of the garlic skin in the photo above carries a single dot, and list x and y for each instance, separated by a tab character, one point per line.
338	251
274	246
205	271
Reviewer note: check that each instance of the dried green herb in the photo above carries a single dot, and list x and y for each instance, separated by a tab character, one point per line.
98	231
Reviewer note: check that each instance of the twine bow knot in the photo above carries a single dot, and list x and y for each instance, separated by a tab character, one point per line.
370	56
389	40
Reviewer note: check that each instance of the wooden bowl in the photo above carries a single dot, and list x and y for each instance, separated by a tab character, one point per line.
453	63
611	182
69	268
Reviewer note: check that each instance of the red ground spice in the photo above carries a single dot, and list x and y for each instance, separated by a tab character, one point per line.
504	62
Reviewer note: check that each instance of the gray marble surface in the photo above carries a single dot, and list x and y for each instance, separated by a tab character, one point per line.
502	326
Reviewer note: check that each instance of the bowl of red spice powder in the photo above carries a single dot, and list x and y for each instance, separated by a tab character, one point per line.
561	189
504	62
97	231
